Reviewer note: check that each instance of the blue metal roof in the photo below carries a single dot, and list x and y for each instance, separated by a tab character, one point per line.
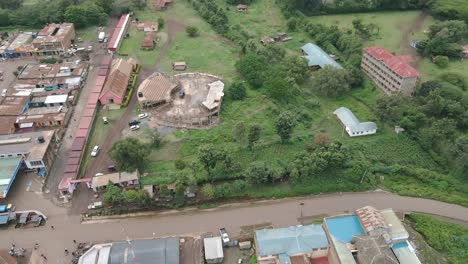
318	57
290	240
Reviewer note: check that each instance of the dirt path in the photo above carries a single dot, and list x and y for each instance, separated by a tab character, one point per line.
232	216
173	27
408	36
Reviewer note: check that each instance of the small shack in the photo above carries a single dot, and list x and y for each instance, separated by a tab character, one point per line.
242	7
267	40
179	66
124	180
213	250
149	42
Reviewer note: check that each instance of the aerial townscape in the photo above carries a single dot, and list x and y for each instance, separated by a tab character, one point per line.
234	131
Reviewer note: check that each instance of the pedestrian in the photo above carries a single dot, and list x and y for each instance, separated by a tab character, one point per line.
74	241
13	245
66	252
52	227
36	246
44	257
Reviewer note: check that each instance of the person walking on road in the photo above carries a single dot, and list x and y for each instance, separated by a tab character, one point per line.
52	227
44	257
36	246
74	241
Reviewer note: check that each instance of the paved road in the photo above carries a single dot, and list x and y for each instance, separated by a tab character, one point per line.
280	213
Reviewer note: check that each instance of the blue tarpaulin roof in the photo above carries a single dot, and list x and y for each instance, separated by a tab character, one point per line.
4	219
291	240
317	57
3	208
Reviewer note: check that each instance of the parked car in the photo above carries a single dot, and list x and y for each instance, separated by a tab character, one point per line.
90	48
224	235
144	115
98	174
181	93
134	127
133	123
104	119
95	151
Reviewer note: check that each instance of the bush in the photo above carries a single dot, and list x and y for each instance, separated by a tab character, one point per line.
161	23
180	164
192	31
237	91
208	191
441	61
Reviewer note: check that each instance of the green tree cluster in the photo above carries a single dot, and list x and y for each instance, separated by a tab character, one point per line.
130	154
445	38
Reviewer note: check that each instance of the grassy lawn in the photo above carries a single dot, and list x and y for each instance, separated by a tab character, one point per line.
99	133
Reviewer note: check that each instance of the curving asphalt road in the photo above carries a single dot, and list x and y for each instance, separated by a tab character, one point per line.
280	213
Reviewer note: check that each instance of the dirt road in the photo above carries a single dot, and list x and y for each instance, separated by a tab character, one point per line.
280	213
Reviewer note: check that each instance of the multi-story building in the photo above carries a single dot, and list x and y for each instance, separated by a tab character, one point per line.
391	73
54	39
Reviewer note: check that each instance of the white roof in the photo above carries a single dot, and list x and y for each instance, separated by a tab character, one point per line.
54	99
397	230
214	95
98	254
348	119
405	254
213	248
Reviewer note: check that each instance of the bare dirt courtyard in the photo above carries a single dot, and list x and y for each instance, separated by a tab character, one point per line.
187	110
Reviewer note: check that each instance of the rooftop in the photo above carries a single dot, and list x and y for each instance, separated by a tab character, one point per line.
118	177
214	96
213	247
27	144
56	99
405	253
156	88
373	250
398	64
117	81
349	120
370	218
397	230
8	168
290	240
342	251
316	56
51	71
13	105
54	33
163	250
21	41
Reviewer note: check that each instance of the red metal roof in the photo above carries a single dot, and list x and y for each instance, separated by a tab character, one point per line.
78	144
103	71
91	106
74	154
81	133
85	122
65	182
71	168
399	64
97	89
88	112
118	32
322	260
81	180
100	80
73	161
93	98
106	62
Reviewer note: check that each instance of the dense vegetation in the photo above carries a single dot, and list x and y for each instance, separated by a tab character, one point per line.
80	12
445	38
450	239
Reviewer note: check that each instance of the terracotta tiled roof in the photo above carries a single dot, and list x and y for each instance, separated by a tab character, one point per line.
399	64
117	82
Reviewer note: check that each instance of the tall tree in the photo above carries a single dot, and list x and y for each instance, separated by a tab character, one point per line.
284	125
254	135
208	156
130	154
331	81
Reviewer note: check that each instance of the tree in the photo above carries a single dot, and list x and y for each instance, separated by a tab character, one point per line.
154	137
331	81
208	157
461	153
441	61
139	4
292	24
113	195
192	31
239	132
284	125
296	68
140	197
322	139
130	154
179	164
208	191
254	135
76	15
161	22
106	5
252	68
259	172
391	108
11	4
278	88
237	91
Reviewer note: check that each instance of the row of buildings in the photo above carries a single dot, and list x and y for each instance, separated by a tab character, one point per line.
368	236
53	39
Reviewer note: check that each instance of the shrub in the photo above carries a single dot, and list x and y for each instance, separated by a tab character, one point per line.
441	61
192	31
161	22
237	91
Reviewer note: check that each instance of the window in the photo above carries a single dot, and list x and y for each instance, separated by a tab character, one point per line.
36	163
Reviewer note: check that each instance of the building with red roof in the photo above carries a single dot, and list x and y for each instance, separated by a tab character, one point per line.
391	73
119	33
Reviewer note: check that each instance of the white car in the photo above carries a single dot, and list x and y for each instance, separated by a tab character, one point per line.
90	48
95	151
144	115
135	127
224	235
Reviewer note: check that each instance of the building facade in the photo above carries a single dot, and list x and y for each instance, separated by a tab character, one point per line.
391	73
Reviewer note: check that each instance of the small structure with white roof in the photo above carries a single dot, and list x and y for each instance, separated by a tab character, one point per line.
213	250
215	95
352	125
54	100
